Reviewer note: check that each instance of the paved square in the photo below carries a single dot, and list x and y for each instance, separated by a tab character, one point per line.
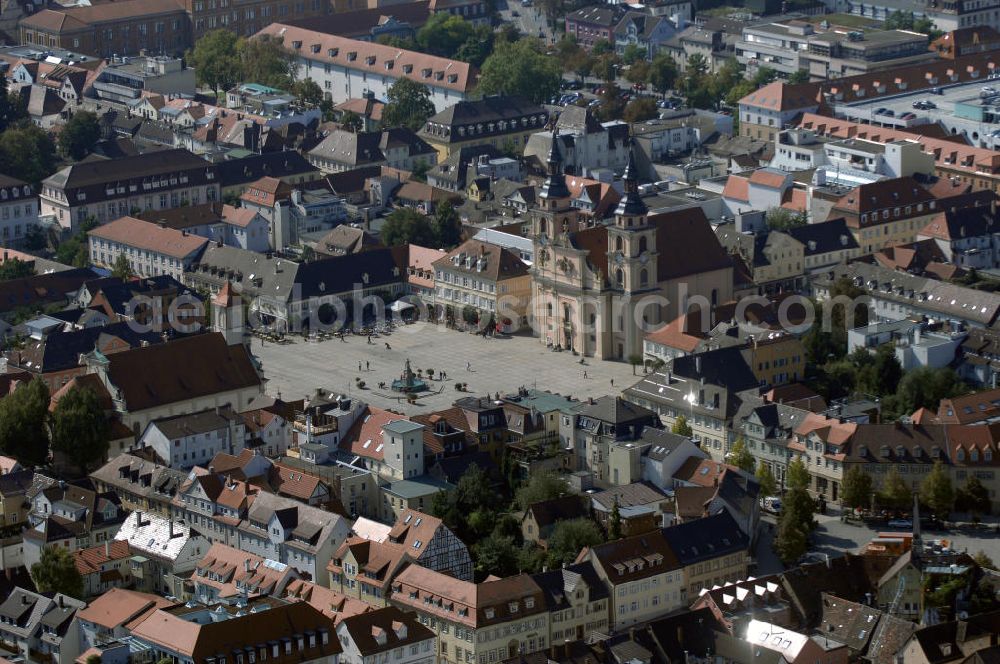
497	365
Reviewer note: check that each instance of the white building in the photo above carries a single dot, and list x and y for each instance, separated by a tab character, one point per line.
184	441
388	636
171	549
151	249
404	448
18	210
348	68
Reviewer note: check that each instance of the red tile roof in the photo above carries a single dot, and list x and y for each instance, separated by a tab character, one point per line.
141	234
375	59
90	560
737	188
364	438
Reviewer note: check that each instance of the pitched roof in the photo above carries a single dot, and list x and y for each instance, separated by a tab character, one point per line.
706	538
364	438
781	96
375	59
184	369
384	629
81	17
486	260
119	606
634	558
90	560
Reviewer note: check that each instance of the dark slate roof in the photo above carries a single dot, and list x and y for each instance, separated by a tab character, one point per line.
270	164
706	538
42	289
845	577
726	367
686	631
955	633
616	410
62	350
91	176
548	512
826	236
604	15
556	584
489	109
341	274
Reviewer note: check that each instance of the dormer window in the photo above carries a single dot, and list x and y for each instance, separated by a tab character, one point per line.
333	52
315	48
513	607
352	56
389	64
370	60
425	72
407	69
988	455
489	614
296	44
960	454
974	455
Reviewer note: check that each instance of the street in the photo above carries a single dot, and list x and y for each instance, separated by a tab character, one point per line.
528	20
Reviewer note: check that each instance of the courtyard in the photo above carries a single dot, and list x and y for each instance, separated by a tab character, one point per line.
490	365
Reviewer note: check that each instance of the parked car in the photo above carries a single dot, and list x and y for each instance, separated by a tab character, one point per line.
881	110
907	116
771	504
900	523
937	91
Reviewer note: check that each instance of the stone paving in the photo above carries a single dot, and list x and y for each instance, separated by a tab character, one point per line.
487	365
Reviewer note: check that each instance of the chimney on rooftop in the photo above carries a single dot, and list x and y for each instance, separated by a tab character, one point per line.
107	549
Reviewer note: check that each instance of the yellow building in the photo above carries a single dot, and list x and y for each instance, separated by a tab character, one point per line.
501	122
479	280
778	360
710	551
362	569
643	577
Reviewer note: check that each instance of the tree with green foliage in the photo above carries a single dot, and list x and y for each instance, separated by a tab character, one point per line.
569	537
407	226
420	170
615	522
56	572
765	478
681	427
601	47
936	491
663	73
408	104
79	135
798	76
122	268
923	387
23	417
215	60
451	36
633	53
265	60
794	525
446	225
740	456
542	486
15	268
80	428
28	152
34	238
640	109
984	561
894	494
781	219
635	359
496	554
307	92
856	489
73	250
12	109
797	475
638	73
973	497
351	121
522	69
612	105
605	67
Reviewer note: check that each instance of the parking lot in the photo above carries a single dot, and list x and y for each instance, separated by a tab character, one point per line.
487	365
835	538
977	133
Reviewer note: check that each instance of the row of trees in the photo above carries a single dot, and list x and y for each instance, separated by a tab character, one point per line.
935	492
449	36
77	427
222	60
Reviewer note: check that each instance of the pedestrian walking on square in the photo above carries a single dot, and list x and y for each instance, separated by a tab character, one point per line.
468	366
585	375
368	365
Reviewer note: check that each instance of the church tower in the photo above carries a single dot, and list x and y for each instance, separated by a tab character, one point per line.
227	315
555	213
632	239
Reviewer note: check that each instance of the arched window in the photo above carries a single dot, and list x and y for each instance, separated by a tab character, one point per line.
567	312
619	243
643	277
642	244
543	227
974	455
620	276
960	454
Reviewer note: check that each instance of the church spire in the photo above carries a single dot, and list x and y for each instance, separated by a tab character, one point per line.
631	203
555	183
